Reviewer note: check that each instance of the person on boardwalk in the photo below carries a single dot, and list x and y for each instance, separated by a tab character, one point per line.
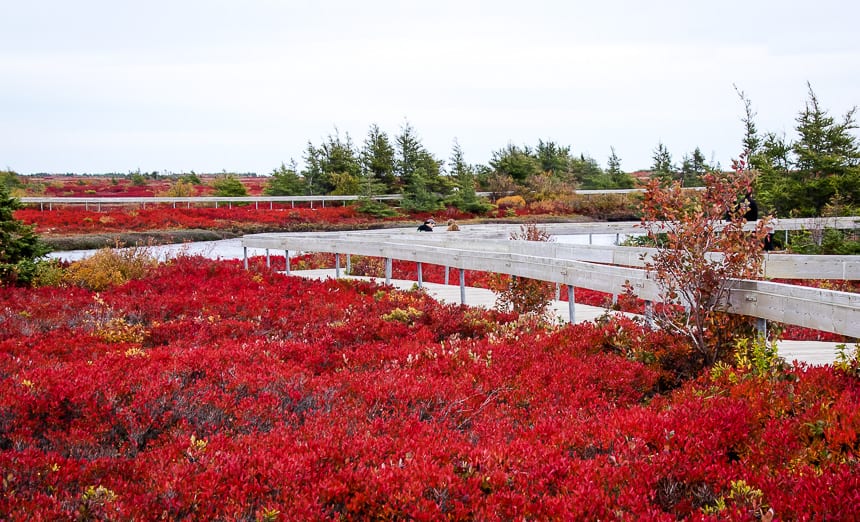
452	226
768	239
427	226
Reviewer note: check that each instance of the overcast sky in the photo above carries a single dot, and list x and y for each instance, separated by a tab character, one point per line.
212	85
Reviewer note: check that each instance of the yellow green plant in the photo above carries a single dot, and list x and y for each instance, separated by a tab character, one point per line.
110	267
511	202
109	327
407	316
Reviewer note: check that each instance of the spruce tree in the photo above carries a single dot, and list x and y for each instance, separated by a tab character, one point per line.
285	181
821	167
618	178
465	198
419	173
229	185
377	159
662	168
20	248
517	163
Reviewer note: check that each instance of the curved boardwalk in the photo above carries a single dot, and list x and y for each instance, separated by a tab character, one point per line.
811	352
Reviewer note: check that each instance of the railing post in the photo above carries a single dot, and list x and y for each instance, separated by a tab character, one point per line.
268	259
649	312
349	263
287	255
420	278
388	270
446	274
336	265
761	327
462	286
571	305
245	256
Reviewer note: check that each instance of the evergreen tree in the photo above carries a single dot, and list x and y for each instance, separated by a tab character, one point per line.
191	178
9	179
419	173
339	155
822	166
417	196
20	248
662	168
693	167
313	173
772	161
228	185
465	198
285	181
589	174
613	163
433	171
825	147
333	167
554	158
408	154
377	159
517	163
618	178
751	142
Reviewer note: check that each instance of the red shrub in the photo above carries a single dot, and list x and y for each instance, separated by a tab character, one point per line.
250	393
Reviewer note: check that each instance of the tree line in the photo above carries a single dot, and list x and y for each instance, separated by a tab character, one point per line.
816	173
383	164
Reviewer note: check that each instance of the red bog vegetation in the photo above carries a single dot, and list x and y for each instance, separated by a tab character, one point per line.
78	220
209	392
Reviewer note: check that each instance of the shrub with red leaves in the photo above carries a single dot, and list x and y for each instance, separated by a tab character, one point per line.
206	391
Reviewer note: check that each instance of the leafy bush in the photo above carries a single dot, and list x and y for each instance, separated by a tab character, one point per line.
229	185
519	294
110	267
511	202
49	272
683	267
181	188
611	207
827	241
375	208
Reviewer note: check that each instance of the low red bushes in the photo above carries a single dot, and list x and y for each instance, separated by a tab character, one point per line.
251	395
77	220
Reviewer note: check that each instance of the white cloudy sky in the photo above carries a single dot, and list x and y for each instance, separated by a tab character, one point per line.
212	85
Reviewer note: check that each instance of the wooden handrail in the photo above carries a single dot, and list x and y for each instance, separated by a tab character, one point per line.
827	310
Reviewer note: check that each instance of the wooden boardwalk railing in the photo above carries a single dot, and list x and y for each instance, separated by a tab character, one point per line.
605	269
97	202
